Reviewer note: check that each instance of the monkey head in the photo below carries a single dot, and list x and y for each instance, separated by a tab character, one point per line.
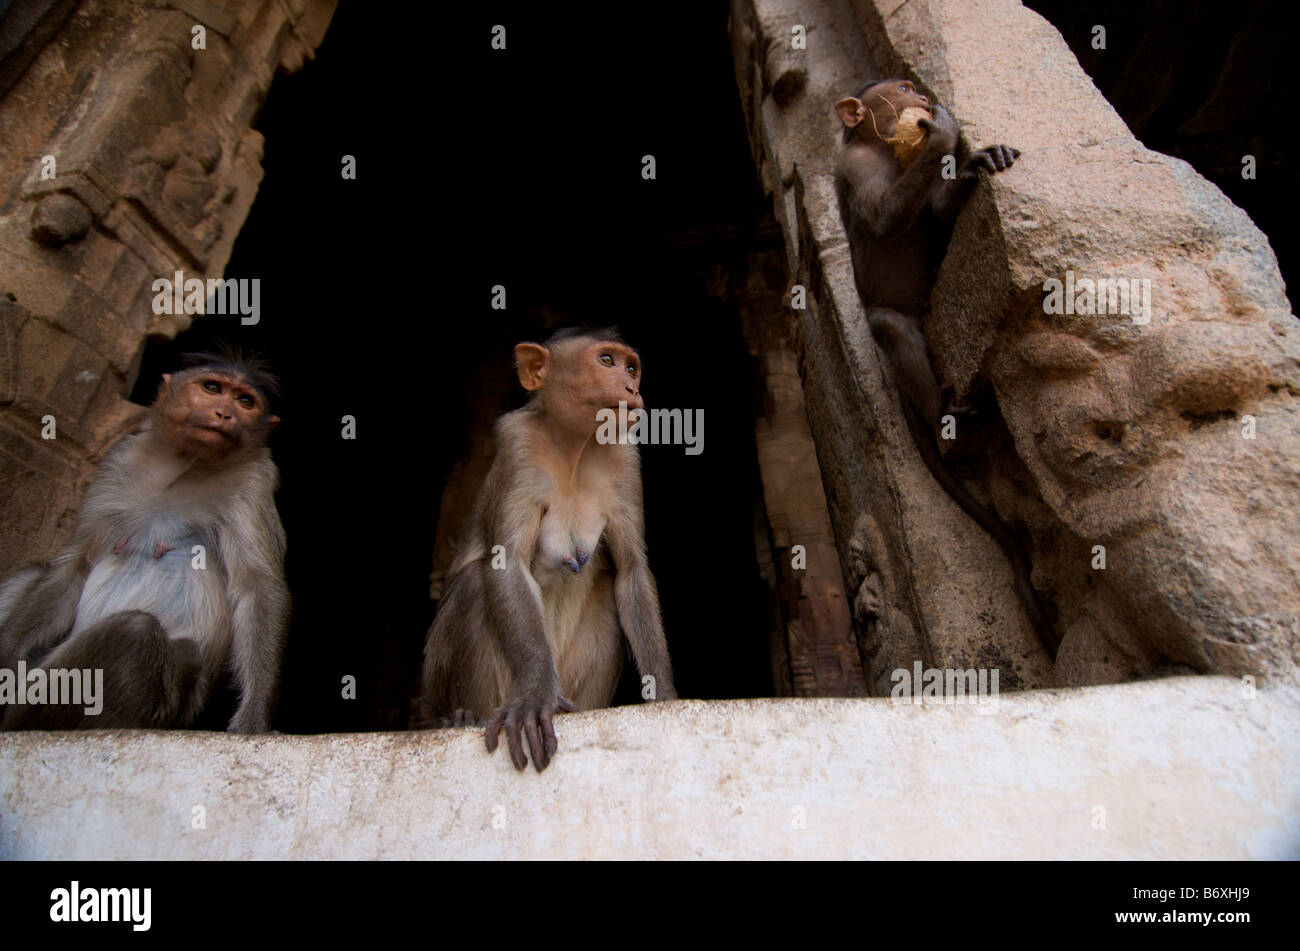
892	111
214	410
575	374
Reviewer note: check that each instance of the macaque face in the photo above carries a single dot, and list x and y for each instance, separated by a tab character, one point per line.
884	103
888	99
580	377
211	414
613	375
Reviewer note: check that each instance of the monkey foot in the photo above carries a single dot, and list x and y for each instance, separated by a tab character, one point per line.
464	718
161	549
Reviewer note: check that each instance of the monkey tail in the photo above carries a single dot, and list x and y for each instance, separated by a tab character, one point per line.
923	436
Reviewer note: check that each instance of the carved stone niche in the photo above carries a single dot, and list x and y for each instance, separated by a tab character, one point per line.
129	155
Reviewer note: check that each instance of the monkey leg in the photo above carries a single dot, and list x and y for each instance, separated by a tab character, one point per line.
1035	610
900	337
146	677
14	591
465	675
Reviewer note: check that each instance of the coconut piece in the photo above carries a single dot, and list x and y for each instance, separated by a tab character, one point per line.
909	137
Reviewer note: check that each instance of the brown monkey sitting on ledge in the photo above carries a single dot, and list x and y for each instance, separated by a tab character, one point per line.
552	575
132	593
898	210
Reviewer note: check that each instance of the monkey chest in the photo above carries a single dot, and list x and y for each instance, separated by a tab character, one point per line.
571	529
157	561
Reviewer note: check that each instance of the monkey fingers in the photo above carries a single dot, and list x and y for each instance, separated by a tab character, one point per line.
941	127
522	718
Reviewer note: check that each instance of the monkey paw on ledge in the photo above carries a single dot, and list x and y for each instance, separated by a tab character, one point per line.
1177	768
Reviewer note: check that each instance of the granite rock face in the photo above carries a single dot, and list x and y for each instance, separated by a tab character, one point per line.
1146	451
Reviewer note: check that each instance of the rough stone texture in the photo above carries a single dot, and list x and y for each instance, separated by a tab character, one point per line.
818	641
156	167
1177	768
1105	432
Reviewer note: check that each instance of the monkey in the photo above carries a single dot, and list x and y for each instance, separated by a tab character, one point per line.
898	219
133	593
552	577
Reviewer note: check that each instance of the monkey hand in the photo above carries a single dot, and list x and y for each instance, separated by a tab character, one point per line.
942	130
529	715
995	158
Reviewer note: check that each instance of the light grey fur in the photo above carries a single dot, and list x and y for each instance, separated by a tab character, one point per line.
235	609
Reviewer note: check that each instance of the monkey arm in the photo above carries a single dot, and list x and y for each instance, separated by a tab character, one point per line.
252	546
516	618
514	492
635	593
951	196
43	605
885	208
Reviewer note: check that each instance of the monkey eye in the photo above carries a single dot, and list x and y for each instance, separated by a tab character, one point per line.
606	359
212	386
246	401
632	369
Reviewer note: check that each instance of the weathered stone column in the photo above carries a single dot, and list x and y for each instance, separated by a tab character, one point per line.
127	155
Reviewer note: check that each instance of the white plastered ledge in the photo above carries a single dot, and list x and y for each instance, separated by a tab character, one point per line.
1168	769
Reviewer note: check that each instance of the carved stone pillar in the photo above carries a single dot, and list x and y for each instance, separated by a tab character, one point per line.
128	155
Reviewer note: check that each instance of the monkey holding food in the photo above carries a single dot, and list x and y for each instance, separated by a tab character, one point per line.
175	567
898	210
552	576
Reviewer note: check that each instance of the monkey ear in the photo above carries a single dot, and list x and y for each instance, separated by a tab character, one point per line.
530	363
850	111
271	423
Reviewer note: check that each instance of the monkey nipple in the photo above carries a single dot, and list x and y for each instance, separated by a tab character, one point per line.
117	549
161	549
572	565
583	556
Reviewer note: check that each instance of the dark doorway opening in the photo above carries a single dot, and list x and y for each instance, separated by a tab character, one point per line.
520	168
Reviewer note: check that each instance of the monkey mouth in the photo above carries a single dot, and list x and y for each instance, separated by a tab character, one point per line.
226	434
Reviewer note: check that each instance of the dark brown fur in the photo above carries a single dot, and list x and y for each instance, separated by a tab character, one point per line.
898	221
